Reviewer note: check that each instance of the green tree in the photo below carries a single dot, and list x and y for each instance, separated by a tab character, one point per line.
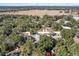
45	43
15	37
27	48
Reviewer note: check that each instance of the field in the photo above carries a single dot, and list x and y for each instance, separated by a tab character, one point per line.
37	13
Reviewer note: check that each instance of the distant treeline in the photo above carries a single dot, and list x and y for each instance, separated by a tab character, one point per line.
17	8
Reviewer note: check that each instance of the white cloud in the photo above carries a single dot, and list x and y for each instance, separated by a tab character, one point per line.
39	1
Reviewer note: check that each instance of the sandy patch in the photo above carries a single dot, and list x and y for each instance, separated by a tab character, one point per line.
37	12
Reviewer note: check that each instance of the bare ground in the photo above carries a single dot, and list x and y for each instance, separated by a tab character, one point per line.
36	13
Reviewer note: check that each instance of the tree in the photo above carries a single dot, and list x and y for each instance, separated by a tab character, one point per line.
63	46
56	26
2	42
15	37
74	49
27	48
45	43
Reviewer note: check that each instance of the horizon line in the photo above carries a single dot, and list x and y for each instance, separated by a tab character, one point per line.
39	4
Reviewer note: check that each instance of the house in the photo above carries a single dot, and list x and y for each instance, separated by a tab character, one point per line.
58	21
25	33
36	36
66	27
62	20
76	38
45	31
56	35
65	22
76	18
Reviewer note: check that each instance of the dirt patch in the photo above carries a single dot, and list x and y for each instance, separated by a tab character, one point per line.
37	13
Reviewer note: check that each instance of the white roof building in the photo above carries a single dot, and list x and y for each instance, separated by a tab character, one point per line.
25	34
65	22
36	37
66	27
56	35
76	18
45	31
58	21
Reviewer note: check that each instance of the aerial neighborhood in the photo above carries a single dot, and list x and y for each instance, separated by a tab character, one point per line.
39	32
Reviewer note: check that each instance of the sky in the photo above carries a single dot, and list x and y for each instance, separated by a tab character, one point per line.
39	2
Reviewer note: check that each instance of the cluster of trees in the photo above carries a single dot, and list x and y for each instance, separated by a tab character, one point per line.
11	26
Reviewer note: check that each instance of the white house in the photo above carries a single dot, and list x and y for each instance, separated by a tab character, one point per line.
26	33
58	21
65	22
36	36
66	27
45	31
56	35
76	18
